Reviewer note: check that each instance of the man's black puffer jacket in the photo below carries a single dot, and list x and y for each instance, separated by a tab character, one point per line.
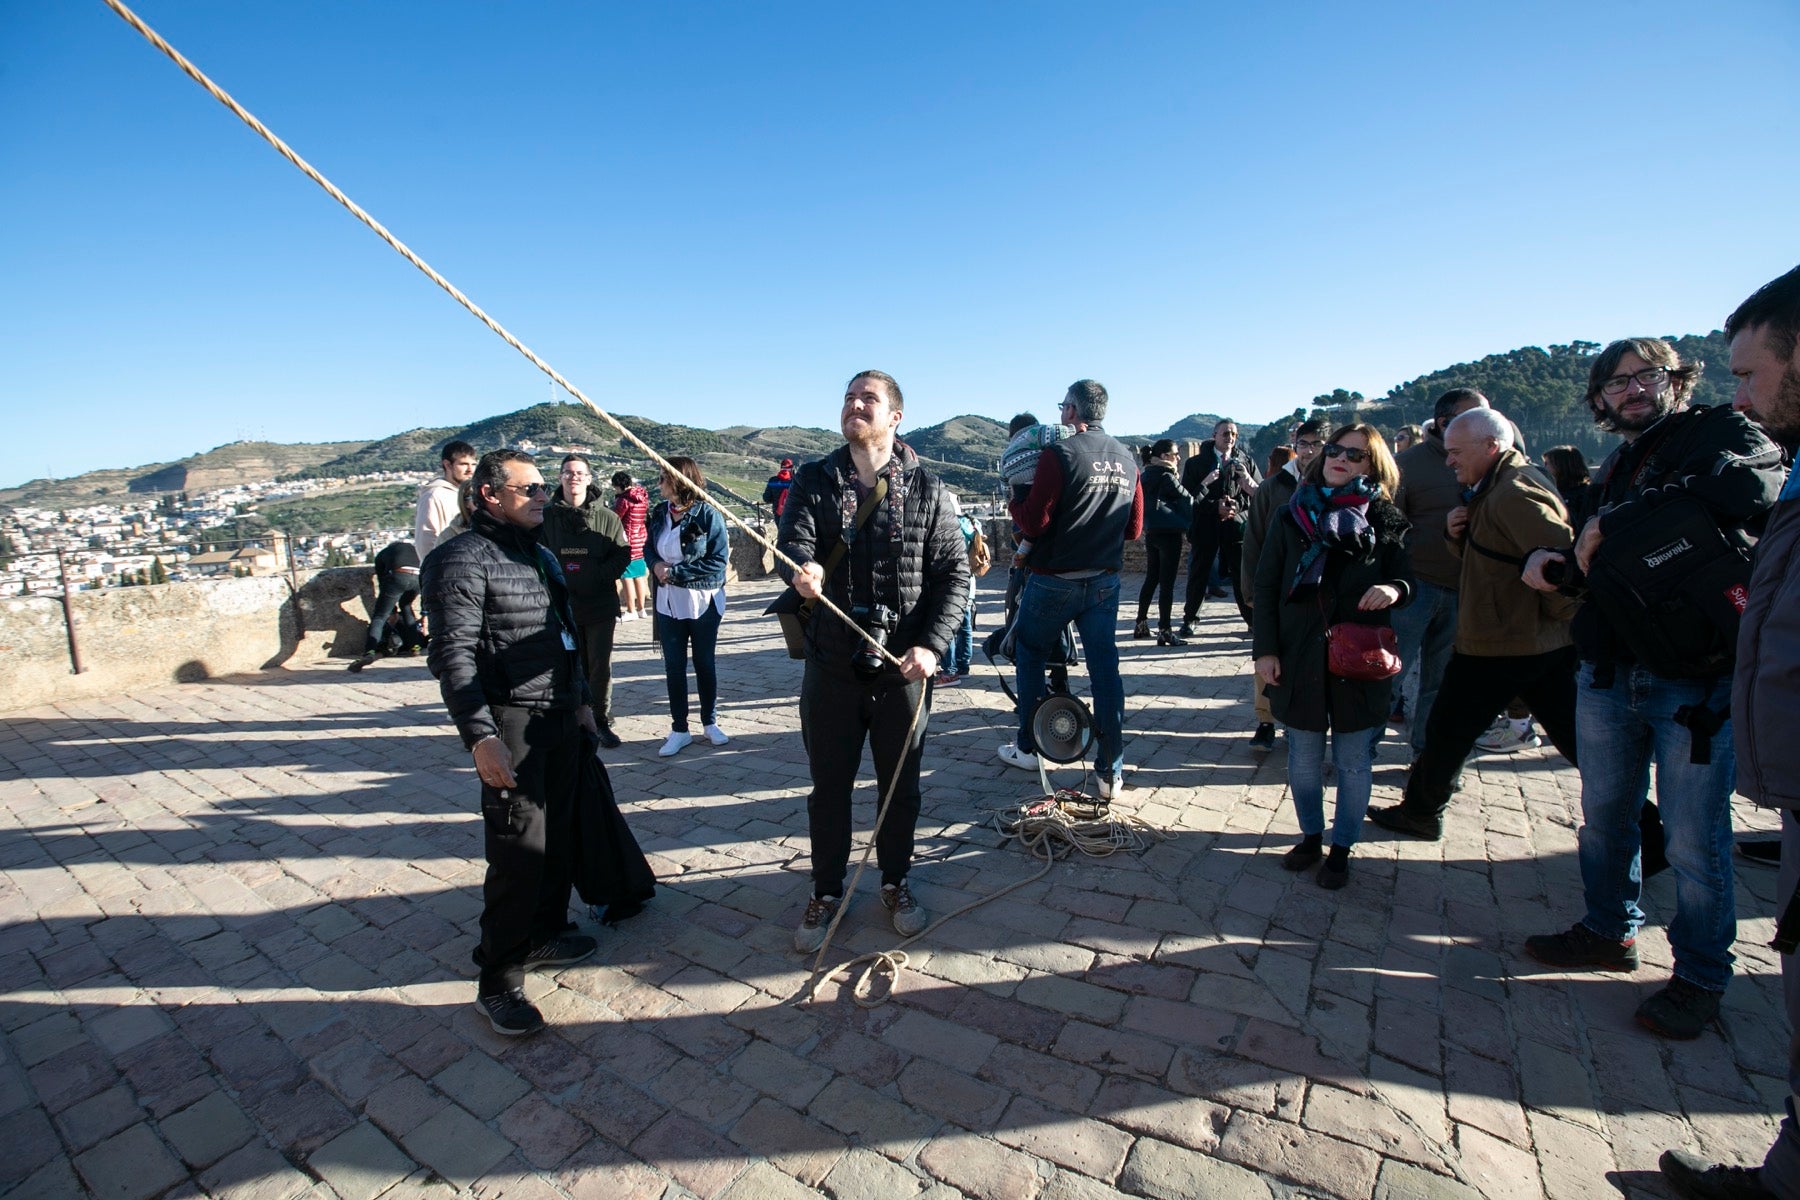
932	570
494	636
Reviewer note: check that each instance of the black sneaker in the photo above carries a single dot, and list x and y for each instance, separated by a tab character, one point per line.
1165	638
510	1013
362	661
1764	852
561	951
1697	1179
1302	856
1681	1011
1141	630
1397	819
1582	947
1264	737
1187	627
608	739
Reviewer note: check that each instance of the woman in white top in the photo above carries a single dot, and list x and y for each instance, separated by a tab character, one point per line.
687	549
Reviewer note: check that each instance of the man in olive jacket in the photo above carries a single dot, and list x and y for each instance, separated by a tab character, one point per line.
1511	640
504	654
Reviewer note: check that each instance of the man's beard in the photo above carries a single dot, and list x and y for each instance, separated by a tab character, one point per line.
1660	407
1782	420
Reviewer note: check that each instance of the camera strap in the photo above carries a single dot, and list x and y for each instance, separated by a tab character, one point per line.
863	512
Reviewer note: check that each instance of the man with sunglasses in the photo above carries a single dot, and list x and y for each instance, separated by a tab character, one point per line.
1270	498
1673	457
504	654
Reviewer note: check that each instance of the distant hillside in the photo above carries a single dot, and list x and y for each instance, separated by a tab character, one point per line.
238	462
1198	427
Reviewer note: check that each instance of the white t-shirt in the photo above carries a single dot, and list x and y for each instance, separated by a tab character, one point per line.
673	600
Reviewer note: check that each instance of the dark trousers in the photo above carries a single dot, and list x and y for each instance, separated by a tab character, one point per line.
676	636
596	660
1475	690
529	835
394	602
837	713
1162	562
1213	538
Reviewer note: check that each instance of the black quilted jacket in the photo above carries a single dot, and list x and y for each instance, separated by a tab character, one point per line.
930	578
495	638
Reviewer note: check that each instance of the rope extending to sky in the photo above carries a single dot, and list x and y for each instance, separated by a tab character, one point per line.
882	962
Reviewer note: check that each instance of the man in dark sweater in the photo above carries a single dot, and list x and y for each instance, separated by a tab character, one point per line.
1085	503
504	654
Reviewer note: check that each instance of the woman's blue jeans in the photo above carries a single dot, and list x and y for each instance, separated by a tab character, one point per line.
1350	754
676	635
1622	730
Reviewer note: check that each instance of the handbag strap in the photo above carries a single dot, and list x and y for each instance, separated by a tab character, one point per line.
863	511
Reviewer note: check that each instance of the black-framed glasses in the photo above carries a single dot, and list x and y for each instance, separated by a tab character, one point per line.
529	490
1300	447
1339	450
1650	378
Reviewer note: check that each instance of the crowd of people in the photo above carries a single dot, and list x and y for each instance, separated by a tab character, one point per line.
1643	615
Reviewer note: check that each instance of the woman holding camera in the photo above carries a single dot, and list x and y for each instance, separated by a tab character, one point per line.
687	549
1335	554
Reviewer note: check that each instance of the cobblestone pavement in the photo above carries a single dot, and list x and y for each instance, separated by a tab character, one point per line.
235	920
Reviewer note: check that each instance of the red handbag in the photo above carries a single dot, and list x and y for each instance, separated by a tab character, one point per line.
1363	652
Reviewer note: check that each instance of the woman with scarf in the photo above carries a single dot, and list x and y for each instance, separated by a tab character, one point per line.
631	504
687	551
1335	553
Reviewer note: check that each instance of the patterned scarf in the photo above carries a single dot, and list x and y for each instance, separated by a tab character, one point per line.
1330	519
848	499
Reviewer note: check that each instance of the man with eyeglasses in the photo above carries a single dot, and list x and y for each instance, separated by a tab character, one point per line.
1510	640
1764	333
1674	461
1270	498
504	652
1222	479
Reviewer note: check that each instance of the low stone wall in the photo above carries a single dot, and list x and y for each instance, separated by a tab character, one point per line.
178	633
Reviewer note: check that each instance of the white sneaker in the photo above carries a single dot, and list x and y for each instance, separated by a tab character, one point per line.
1012	756
1508	740
715	735
677	741
1110	785
628	616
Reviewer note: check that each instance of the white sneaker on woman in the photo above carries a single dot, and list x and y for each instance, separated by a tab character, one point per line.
678	739
715	735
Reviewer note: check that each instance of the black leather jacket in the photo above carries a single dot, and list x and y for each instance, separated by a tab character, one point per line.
499	614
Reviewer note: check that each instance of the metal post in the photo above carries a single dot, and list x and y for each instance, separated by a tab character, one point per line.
62	565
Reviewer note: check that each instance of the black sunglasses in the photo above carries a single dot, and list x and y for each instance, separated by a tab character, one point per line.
1338	450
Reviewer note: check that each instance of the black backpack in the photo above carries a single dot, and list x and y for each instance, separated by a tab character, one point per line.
1668	580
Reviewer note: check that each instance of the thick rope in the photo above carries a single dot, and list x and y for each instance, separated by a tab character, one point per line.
379	230
890	962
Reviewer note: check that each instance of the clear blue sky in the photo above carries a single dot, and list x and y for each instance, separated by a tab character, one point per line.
714	213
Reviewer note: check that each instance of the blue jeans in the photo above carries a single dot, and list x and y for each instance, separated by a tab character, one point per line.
1426	631
1047	604
1350	754
1621	730
961	655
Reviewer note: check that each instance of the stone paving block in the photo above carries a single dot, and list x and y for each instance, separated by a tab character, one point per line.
1403	1181
1168	1172
1072	996
693	1155
1146	1109
360	1163
457	1146
1484	1094
99	1117
1110	1050
1574	1159
55	1180
919	1033
30	1142
600	1172
803	1149
943	1092
1556	1082
1497	1169
131	1165
1065	1085
863	1175
1008	1018
480	1084
254	1172
1079	1143
123	1028
1292	1152
764	1182
207	1130
979	1168
884	1124
303	1119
